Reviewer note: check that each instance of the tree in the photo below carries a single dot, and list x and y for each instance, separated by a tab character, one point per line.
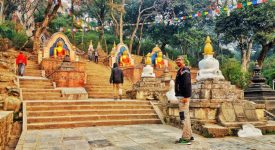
143	11
248	25
49	15
97	9
236	27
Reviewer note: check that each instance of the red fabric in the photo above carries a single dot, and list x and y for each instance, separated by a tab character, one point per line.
21	58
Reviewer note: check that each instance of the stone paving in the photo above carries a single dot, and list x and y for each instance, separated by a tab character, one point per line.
133	137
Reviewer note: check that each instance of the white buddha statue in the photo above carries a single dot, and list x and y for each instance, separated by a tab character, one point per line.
209	66
148	70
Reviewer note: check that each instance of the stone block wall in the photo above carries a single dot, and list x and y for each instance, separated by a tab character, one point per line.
6	121
69	78
50	65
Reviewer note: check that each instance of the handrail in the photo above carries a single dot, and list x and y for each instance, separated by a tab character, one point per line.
269	114
54	71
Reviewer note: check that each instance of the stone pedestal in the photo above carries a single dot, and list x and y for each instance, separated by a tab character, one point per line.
148	72
65	74
147	89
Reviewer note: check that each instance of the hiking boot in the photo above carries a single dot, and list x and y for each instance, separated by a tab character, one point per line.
183	141
120	97
192	138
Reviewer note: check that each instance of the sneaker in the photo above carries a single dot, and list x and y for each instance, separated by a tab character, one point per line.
183	141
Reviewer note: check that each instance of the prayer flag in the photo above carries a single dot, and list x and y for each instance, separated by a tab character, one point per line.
249	3
199	14
254	2
244	4
239	5
218	11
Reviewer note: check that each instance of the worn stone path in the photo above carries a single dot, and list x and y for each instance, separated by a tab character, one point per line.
133	137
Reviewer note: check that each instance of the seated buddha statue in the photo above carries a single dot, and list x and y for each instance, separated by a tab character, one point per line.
124	59
148	60
59	51
159	62
148	70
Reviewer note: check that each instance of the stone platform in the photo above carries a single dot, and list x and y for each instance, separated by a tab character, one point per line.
134	137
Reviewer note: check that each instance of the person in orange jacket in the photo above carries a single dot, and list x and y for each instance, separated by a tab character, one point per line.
21	62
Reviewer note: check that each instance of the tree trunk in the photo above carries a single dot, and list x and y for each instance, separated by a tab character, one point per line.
163	47
116	26
134	34
121	24
263	53
48	17
1	12
245	52
140	37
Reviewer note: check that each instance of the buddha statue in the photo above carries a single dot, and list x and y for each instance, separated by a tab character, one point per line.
209	66
156	49
159	60
148	60
59	51
148	70
124	59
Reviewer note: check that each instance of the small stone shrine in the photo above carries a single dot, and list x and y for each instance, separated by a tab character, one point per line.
121	55
149	87
60	63
216	106
259	92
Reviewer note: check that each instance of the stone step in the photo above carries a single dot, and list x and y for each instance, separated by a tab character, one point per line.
89	112
43	97
130	102
34	80
55	125
35	87
79	107
36	83
39	94
90	118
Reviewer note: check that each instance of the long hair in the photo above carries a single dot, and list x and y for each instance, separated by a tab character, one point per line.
115	65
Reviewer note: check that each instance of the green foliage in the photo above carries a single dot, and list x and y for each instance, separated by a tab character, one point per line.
7	30
269	69
231	69
18	39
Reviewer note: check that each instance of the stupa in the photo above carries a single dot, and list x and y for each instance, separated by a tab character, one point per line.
216	106
148	70
209	67
259	92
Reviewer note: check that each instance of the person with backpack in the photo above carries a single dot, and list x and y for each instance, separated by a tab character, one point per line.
116	79
21	62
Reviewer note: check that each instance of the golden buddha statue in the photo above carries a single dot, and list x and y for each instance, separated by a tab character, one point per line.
148	60
208	49
59	51
159	60
124	59
156	49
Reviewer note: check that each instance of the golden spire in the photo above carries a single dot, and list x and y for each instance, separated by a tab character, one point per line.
208	49
114	46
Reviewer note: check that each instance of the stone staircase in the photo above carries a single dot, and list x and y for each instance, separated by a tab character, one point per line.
98	85
80	113
33	69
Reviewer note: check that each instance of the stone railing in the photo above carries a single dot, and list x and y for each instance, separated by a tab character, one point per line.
6	121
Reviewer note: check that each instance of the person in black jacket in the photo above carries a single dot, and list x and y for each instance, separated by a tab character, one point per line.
183	90
117	79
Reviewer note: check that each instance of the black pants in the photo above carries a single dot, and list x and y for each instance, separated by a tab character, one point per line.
96	59
21	69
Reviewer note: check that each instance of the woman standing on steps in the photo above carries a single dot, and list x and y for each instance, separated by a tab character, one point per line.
117	79
21	62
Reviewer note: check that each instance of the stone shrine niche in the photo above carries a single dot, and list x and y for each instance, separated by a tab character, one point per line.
122	56
58	46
